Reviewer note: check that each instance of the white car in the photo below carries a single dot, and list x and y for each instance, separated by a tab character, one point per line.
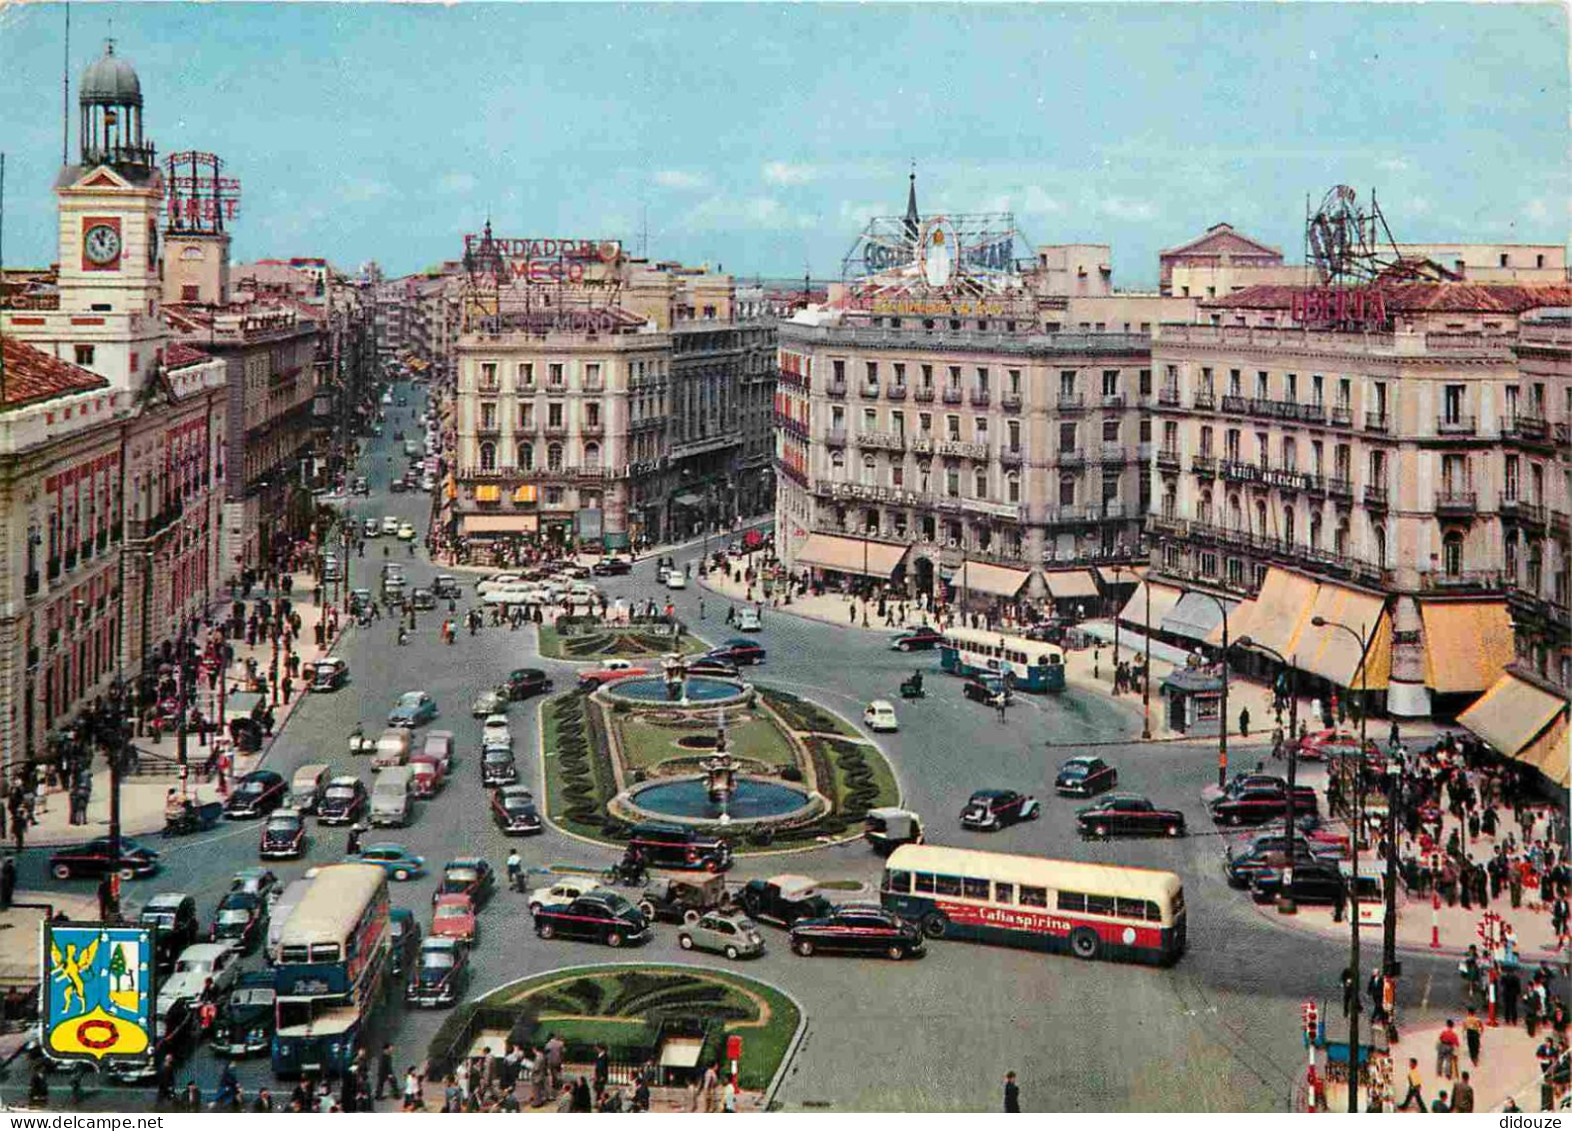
406	533
516	594
880	716
495	730
675	580
582	591
563	891
390	524
196	964
496	580
748	621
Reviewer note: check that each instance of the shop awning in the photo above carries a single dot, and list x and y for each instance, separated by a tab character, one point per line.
980	577
528	493
1332	653
1468	644
1548	752
1163	597
688	500
1276	616
1196	615
1065	584
499	524
850	555
1513	714
1121	575
488	493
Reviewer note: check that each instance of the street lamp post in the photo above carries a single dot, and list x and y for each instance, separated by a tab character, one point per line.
1285	895
867	584
1222	728
1394	788
1146	674
1353	901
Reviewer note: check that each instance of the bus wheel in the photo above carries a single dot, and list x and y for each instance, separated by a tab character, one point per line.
1083	943
934	926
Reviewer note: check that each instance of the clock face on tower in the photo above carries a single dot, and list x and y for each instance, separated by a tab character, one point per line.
101	245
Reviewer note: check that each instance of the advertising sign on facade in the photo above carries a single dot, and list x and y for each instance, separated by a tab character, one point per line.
98	1000
1339	306
590	524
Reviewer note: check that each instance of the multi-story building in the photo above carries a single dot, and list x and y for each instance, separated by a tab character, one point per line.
113	439
932	428
1377	458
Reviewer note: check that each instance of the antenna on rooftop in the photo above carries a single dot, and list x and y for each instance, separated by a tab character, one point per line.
65	92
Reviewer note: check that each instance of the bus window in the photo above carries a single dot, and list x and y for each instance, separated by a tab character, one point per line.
1099	905
923	882
294	954
947	885
1072	901
1004	893
900	882
324	952
1130	908
1154	913
1033	897
974	889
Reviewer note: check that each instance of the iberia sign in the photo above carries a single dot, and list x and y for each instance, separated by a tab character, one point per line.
1339	306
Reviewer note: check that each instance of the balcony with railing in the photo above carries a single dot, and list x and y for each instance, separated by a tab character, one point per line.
1113	400
1011	457
835	438
555	430
592	428
980	398
1523	512
888	441
1204	399
1168	396
1525	427
836	389
1071	403
1455	424
962	448
1168	459
1204	464
953	396
1341	416
868	390
1377	422
1234	403
1375	496
1071	457
922	445
1464	579
1455	501
923	393
1010	402
1113	453
896	392
1238	471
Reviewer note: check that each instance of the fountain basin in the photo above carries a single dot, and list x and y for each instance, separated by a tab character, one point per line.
700	690
686	800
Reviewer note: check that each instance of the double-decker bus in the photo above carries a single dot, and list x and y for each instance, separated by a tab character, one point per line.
332	971
1026	665
1090	910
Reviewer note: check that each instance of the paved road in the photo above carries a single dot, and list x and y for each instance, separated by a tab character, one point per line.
1219	1031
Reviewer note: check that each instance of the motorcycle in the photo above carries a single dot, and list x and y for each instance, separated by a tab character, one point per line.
912	688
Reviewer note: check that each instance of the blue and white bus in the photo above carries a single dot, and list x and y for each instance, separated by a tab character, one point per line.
333	970
1026	665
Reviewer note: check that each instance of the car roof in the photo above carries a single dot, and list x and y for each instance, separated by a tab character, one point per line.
384	846
881	705
253	873
455	899
205	950
466	862
263	775
1082	760
1125	797
795	887
345	779
992	793
440	942
516	790
165	899
281	812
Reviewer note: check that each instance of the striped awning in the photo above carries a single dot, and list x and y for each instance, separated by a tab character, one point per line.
850	555
1163	599
1070	583
981	577
1334	654
1513	714
1196	615
1468	644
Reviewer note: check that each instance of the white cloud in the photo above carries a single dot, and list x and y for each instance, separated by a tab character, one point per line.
1542	211
678	179
785	173
1126	208
759	212
457	182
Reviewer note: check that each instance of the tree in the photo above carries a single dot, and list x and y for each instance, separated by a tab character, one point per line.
118	970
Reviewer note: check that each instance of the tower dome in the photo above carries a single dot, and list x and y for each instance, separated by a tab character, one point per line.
110	81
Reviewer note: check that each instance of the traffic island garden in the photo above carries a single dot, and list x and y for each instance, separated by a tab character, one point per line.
596	752
590	638
635	1009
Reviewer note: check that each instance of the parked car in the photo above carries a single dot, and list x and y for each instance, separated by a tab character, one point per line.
307	785
879	716
612	567
390	524
412	709
524	682
426	776
748	620
174	914
468	876
513	808
439	747
497	766
678	899
423	598
739	650
441	973
399	862
245	1021
453	917
343	802
887	828
494	731
196	964
260	882
329	674
994	809
94	859
1332	745
722	932
1240	868
987	689
922	638
857	929
1125	814
1085	775
592	679
488	702
597	916
1313	882
1256	803
284	835
406	531
659	845
406	940
784	900
256	794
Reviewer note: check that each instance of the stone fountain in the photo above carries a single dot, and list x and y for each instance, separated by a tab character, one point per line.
674	669
720	776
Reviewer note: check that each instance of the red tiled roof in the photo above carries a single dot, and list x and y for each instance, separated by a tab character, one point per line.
31	375
178	355
1434	298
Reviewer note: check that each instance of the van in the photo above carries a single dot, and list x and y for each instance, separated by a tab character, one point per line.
438	747
307	786
392	748
391	798
278	919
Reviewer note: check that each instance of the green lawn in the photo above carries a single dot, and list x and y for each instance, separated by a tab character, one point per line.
554	805
801	715
644	744
615	643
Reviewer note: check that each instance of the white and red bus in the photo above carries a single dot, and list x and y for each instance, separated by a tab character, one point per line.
1091	910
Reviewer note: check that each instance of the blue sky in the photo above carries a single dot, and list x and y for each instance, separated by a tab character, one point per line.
761	137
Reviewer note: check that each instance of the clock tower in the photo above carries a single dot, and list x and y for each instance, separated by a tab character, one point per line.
110	205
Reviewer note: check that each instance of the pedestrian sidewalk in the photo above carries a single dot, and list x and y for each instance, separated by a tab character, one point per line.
1507	1068
142	798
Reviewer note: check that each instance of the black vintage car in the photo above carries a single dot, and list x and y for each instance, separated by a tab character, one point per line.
1313	882
987	689
706	665
284	836
1257	802
599	916
1239	869
440	974
244	1025
857	929
1125	814
423	598
657	845
470	876
94	859
989	810
406	939
497	766
343	802
256	795
524	682
612	567
784	900
513	808
1085	775
923	638
175	915
240	921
